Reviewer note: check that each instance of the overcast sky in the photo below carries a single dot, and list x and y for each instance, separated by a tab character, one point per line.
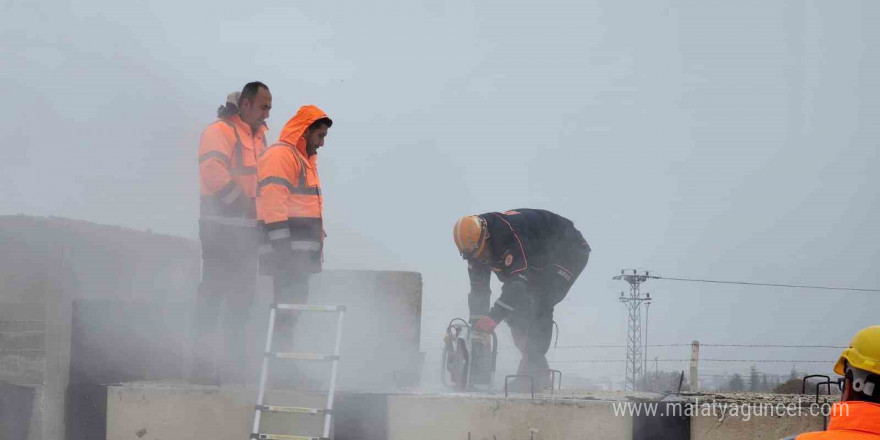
726	140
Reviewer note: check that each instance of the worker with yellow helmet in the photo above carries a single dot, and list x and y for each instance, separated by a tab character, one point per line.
537	255
857	415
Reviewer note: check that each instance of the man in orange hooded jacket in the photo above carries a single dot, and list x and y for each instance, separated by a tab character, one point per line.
290	208
228	152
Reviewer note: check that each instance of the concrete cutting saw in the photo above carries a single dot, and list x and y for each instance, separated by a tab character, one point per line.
468	361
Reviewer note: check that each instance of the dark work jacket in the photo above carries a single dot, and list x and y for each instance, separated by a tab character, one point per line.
521	241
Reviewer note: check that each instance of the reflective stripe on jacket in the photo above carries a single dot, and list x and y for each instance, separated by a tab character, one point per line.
289	200
289	186
227	169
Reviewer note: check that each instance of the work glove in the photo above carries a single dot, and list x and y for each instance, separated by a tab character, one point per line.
485	324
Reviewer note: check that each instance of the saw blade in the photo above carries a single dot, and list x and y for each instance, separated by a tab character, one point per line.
458	364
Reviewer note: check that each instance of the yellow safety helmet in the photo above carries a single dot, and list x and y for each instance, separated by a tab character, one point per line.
470	234
863	352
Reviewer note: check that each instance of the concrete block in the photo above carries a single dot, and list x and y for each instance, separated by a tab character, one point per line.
673	425
123	341
12	340
479	418
22	367
756	427
22	326
381	334
10	366
361	416
16	408
86	412
157	412
22	311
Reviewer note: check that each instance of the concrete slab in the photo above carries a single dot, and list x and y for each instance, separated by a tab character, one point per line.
479	418
23	361
167	412
761	427
50	262
163	412
727	416
17	404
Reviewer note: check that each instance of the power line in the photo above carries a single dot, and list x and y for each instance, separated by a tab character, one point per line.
772	346
707	345
796	286
590	361
754	361
766	361
620	346
567	347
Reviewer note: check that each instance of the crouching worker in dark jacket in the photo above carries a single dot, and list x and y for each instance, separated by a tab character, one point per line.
537	255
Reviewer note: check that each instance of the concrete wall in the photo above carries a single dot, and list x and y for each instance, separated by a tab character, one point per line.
17	403
50	259
149	412
155	412
23	362
124	341
381	329
444	417
757	427
52	262
22	343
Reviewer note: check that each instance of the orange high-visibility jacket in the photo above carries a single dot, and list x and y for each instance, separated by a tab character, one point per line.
851	420
228	153
289	200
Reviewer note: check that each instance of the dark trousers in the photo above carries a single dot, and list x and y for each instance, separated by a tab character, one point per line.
289	287
532	325
222	308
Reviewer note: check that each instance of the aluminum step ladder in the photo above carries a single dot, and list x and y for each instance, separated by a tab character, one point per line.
269	354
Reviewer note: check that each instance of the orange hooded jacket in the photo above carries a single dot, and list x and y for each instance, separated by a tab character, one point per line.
228	153
289	200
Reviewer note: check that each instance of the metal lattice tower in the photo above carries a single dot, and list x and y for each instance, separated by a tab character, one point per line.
633	302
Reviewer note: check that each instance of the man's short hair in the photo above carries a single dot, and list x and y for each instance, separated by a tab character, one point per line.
317	124
250	91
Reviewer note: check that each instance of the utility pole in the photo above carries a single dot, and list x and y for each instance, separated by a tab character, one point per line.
695	360
633	302
645	353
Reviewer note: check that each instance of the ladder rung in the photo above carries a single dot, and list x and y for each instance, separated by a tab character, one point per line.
293	409
309	307
284	437
304	356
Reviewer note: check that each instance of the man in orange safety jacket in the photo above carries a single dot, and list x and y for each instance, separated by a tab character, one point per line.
291	212
857	415
228	153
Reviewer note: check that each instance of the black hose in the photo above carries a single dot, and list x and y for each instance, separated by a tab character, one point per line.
456	319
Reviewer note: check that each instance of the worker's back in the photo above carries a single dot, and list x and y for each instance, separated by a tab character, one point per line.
540	233
851	420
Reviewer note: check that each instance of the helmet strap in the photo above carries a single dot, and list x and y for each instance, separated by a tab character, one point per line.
862	381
